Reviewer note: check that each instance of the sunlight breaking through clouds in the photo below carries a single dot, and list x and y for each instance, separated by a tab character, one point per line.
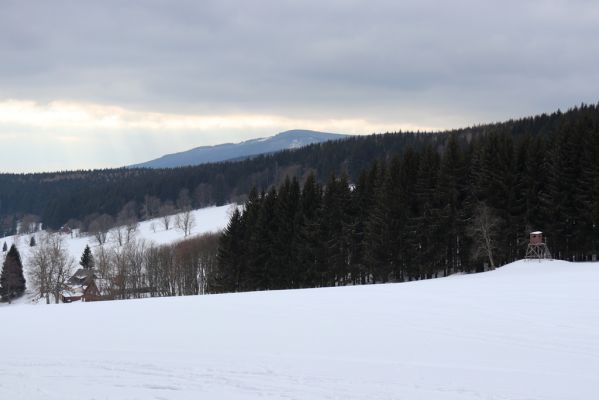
60	115
70	135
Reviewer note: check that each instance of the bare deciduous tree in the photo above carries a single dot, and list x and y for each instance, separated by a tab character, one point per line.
483	231
141	269
102	261
185	221
166	212
29	224
117	235
50	267
127	223
100	226
74	225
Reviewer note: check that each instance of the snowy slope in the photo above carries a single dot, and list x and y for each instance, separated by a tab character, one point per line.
209	219
525	331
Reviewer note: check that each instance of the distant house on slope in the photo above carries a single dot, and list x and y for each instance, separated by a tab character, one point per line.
85	285
69	295
82	276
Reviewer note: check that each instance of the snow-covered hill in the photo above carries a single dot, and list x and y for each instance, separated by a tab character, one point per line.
206	220
528	330
234	151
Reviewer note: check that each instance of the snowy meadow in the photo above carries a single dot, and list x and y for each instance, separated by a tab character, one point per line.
529	330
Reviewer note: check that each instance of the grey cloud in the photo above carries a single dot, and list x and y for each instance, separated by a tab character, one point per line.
381	59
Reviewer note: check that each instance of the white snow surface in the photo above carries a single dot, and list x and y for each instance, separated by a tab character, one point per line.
529	330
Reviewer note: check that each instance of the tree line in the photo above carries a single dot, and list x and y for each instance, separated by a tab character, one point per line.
59	196
140	269
136	269
429	212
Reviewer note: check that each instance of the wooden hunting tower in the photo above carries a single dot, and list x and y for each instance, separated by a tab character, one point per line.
537	248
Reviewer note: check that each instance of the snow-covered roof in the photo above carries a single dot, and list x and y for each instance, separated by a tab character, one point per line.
81	276
536	233
73	291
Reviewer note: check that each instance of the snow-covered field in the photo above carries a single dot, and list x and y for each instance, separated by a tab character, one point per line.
528	330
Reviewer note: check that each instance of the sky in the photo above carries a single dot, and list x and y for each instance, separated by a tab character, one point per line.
94	84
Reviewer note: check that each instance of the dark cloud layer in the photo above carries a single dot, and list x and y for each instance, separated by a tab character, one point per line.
414	61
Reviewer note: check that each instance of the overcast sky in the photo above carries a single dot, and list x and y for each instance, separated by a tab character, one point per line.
87	84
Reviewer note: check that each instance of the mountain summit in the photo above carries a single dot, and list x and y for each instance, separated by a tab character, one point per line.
230	151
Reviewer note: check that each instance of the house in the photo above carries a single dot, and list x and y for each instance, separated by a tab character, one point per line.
81	277
70	295
85	286
99	289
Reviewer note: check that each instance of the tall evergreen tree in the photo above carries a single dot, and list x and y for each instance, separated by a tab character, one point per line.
231	253
558	197
378	239
336	203
12	281
262	234
87	258
426	223
309	243
452	193
587	198
284	252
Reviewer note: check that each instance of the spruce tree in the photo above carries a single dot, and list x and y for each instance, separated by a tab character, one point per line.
452	189
32	241
12	281
406	210
262	234
4	247
335	219
587	198
361	202
87	258
426	222
559	202
378	232
230	258
249	219
309	241
283	250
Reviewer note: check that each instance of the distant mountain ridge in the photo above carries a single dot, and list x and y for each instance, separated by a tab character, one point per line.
292	139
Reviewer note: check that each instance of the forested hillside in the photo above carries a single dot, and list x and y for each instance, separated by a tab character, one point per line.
432	211
58	197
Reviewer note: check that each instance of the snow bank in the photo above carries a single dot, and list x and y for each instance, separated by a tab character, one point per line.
525	331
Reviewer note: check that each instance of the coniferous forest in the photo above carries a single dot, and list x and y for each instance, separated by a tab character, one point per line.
57	197
431	211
